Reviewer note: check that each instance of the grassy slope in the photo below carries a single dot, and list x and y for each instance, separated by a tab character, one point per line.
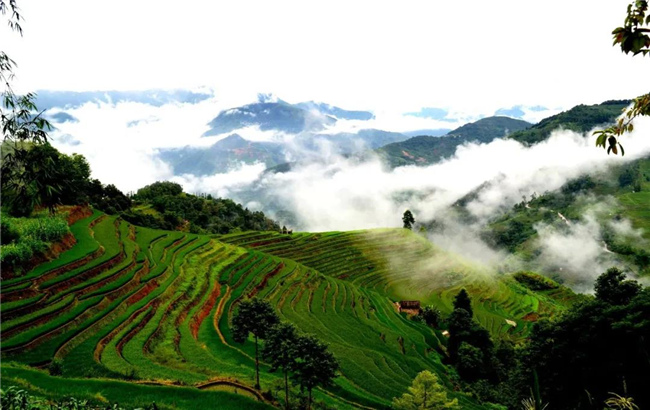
161	311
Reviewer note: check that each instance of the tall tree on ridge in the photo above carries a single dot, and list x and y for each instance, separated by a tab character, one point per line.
408	219
280	350
254	316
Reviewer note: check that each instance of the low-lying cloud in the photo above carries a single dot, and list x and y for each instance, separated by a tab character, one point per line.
330	192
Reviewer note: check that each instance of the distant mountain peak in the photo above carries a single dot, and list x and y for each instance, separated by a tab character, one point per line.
331	110
267	98
232	141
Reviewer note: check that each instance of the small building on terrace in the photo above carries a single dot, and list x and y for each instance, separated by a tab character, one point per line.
411	307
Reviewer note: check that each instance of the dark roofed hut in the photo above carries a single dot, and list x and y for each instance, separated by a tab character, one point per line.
409	306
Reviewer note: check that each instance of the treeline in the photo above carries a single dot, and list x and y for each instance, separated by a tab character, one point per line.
301	357
581	118
164	205
596	352
39	176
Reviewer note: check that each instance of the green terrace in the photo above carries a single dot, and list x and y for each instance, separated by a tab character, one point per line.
151	310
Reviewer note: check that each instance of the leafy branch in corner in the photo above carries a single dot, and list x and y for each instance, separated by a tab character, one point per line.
608	138
632	37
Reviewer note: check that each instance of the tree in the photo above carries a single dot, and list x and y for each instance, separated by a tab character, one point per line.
159	188
408	219
315	364
254	316
462	329
280	350
632	37
462	301
611	287
470	362
22	127
425	393
594	347
431	315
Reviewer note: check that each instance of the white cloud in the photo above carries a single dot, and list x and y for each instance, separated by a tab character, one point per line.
223	184
576	252
345	194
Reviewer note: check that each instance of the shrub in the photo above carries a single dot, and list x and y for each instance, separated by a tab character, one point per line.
14	254
8	231
534	281
28	237
56	367
45	229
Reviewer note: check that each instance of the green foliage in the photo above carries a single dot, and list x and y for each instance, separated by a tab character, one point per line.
509	234
632	37
44	228
629	176
408	219
462	329
581	118
583	183
107	198
15	254
595	347
423	150
25	182
425	393
204	214
611	287
471	362
8	230
462	301
616	401
49	178
254	316
280	350
535	281
315	364
29	237
516	230
431	315
158	189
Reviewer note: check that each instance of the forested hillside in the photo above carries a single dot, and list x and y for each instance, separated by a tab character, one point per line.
581	118
424	150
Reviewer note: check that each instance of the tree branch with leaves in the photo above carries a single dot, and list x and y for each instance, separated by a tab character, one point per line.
633	37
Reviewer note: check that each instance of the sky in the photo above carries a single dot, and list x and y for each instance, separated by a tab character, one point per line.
373	55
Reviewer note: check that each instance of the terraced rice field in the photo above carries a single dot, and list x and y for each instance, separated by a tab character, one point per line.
146	306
